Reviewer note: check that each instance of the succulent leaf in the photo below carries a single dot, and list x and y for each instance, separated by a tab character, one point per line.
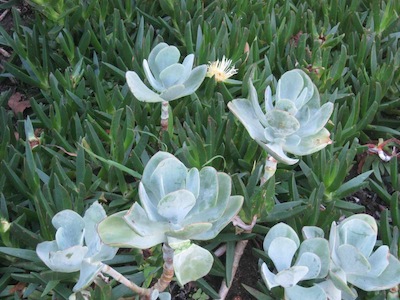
67	260
299	293
115	231
70	229
192	263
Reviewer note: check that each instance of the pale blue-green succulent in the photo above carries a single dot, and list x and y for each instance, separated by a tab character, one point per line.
281	244
170	79
353	261
77	246
177	205
293	121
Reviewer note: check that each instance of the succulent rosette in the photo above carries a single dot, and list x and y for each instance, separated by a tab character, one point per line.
177	205
169	78
352	243
282	245
293	121
77	246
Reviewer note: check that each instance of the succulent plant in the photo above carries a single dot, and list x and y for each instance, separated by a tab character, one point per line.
281	244
293	121
177	205
77	246
171	80
352	243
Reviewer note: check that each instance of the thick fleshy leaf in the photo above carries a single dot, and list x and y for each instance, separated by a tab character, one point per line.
301	293
208	193
66	261
389	278
290	85
140	90
244	111
339	279
310	144
268	99
70	229
174	92
331	291
360	231
256	106
290	277
192	264
280	230
310	232
379	260
319	247
171	75
169	176
214	212
193	182
189	231
176	205
281	251
150	204
234	205
352	261
188	65
318	120
88	273
114	231
283	123
137	219
152	80
166	57
286	106
276	151
268	277
312	262
195	79
152	59
97	250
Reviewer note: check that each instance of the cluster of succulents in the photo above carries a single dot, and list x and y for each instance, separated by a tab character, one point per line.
346	258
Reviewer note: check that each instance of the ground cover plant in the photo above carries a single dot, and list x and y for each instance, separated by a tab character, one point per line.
145	145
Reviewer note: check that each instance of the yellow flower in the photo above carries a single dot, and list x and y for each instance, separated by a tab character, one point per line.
222	70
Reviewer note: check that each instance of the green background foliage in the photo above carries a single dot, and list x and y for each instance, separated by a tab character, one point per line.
69	60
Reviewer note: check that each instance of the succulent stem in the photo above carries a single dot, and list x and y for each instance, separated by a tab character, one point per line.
164	116
168	269
239	250
125	281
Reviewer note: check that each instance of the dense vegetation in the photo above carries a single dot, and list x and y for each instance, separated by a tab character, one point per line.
71	132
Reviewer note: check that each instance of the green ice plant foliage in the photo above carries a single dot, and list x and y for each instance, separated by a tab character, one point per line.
177	205
170	79
281	244
293	121
77	246
347	258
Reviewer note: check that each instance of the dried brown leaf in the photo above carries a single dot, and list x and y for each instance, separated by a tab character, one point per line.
17	104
